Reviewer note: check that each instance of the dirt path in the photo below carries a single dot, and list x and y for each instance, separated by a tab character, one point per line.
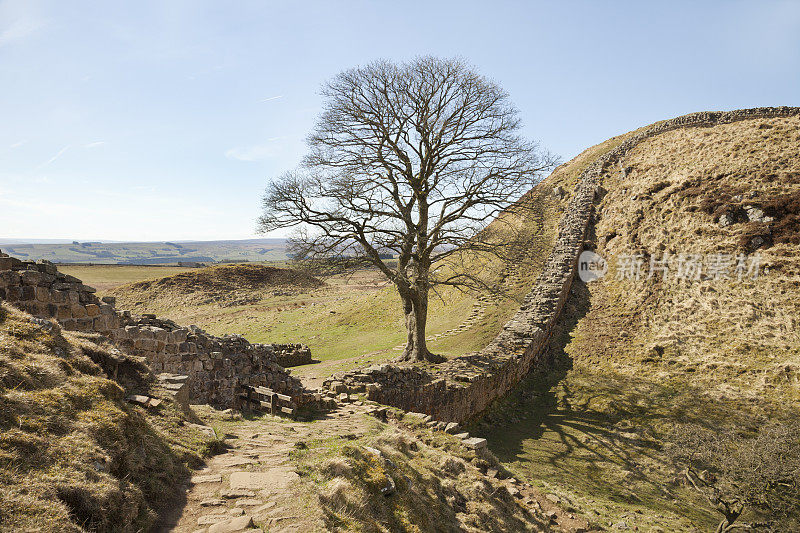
252	486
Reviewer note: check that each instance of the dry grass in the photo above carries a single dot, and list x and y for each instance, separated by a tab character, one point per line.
641	357
730	334
73	455
437	484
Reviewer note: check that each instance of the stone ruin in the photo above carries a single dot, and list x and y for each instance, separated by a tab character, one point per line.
215	366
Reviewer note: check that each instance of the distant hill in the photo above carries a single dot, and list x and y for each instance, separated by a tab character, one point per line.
148	253
223	284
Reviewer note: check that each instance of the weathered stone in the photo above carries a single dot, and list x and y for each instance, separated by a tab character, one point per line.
42	294
232	525
211	519
210	478
475	443
274	478
237	493
248	502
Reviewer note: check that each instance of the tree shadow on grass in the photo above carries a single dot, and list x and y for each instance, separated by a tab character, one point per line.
594	432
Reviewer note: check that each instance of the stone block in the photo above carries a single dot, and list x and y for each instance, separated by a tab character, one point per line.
92	310
58	297
149	344
100	324
6	263
476	443
31	277
78	311
14	294
47	267
42	294
9	278
28	293
240	523
35	308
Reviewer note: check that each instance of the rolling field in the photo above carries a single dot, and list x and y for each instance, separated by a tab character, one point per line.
105	277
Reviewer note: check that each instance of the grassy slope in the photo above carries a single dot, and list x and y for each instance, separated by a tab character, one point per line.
73	455
639	357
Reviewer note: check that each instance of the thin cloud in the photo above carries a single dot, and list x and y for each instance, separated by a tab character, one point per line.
26	23
17	144
271	98
94	144
58	154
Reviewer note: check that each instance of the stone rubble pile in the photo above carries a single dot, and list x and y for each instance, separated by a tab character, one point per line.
216	366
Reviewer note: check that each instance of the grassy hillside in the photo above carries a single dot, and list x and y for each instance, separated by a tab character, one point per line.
639	358
74	456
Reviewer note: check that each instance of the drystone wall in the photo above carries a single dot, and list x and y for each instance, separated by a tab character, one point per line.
292	354
464	387
216	366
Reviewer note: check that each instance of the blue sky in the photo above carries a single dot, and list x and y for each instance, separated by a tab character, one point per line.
165	120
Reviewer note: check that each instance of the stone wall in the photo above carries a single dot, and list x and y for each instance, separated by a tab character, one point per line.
215	365
292	354
464	387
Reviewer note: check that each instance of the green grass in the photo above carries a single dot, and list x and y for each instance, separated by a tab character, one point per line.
104	277
592	440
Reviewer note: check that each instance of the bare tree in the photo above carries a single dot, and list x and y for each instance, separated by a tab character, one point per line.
411	162
736	473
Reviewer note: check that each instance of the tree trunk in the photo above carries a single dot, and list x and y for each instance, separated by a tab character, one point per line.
415	308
